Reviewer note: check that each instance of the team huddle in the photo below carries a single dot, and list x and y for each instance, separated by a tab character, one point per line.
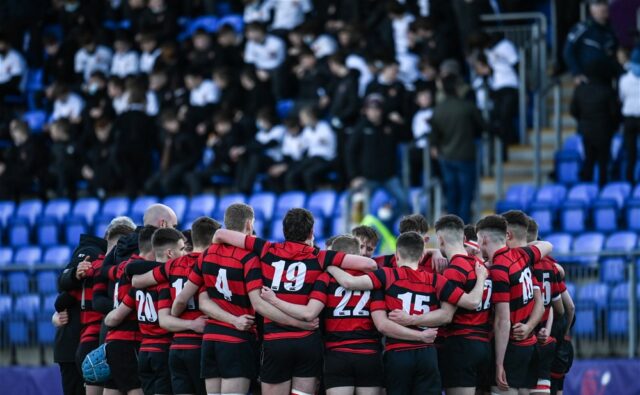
222	311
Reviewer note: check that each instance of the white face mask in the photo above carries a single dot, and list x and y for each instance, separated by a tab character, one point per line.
71	7
385	212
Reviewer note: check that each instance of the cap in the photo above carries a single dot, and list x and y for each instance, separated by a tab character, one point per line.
95	368
374	100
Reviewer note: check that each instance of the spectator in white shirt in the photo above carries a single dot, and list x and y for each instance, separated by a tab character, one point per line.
12	69
320	141
629	88
67	105
150	52
202	92
262	153
254	12
421	127
400	21
287	14
125	61
116	92
292	150
91	57
267	53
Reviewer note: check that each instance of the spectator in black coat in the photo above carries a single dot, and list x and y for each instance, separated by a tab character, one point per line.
311	79
58	64
372	153
160	19
23	164
396	98
98	167
596	108
134	141
344	102
176	157
65	160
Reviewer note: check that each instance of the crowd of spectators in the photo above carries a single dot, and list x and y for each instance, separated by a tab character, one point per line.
139	102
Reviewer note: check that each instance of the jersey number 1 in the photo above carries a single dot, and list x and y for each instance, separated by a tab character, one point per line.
178	285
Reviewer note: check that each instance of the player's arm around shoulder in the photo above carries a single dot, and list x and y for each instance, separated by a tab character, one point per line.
355	283
307	312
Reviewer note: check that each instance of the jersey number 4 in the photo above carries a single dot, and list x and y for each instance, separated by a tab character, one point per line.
295	275
358	310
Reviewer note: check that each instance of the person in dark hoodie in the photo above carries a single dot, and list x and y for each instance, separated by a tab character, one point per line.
344	104
65	160
372	153
68	336
596	108
176	157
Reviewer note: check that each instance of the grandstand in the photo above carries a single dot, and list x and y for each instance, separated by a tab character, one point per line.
67	180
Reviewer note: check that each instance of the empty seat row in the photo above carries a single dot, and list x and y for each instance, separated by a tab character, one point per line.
34	255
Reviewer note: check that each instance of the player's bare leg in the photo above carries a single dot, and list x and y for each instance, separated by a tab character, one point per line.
213	385
460	391
341	391
304	385
510	391
369	391
234	386
277	389
108	391
93	390
137	391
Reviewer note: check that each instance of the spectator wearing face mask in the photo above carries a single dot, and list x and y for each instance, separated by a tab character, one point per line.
91	57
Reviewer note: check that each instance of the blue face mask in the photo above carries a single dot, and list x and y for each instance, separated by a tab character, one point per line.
635	69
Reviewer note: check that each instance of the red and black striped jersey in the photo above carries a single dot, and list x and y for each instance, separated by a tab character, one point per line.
222	272
414	291
290	269
546	273
90	319
346	316
513	282
390	262
171	278
470	324
145	303
128	329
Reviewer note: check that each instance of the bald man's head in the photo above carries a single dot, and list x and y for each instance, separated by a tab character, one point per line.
160	216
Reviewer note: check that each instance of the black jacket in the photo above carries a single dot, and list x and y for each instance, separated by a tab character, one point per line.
373	150
596	108
345	102
68	336
455	125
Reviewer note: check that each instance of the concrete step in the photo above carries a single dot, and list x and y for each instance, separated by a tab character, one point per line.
548	136
525	168
526	152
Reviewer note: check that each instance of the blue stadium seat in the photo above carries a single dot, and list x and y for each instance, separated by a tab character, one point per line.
617	191
100	226
518	197
613	269
289	200
338	226
588	243
544	215
19	232
114	207
7	208
46	282
284	108
583	192
36	119
201	205
28	255
585	325
178	203
73	228
571	288
608	205
5	305
29	209
553	194
235	21
48	231
57	209
561	244
226	201
29	305
277	233
319	227
139	206
618	320
567	167
574	216
341	204
622	241
18	330
18	283
46	332
263	204
322	203
57	255
260	228
6	256
49	304
574	143
632	217
34	80
87	209
596	293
